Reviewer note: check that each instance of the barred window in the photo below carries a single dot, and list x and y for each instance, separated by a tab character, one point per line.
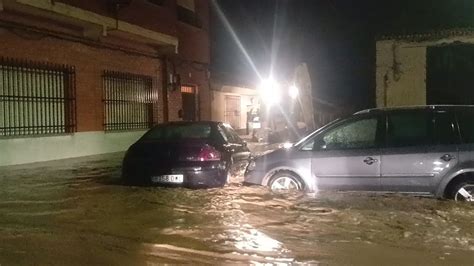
36	98
128	101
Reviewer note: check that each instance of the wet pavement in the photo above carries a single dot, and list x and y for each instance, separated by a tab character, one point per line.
77	212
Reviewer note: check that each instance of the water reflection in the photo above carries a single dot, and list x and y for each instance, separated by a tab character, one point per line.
77	212
250	239
244	237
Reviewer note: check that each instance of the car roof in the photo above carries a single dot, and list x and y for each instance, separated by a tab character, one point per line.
189	123
416	107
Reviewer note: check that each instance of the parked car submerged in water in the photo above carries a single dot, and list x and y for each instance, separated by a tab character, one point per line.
427	150
189	154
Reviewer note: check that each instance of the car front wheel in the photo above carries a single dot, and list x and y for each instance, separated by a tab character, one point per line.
285	181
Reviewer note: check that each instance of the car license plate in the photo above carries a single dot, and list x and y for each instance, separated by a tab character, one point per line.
167	179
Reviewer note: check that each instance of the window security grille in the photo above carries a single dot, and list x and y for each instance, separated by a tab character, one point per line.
128	101
36	98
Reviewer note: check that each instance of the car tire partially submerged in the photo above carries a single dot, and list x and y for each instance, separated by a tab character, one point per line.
285	181
462	191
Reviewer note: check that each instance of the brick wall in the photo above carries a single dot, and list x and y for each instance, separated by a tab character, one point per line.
194	57
138	12
195	74
89	63
90	57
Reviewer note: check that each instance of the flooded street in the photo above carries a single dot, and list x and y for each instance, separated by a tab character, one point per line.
77	212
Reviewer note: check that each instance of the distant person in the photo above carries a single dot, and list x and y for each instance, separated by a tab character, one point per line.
253	119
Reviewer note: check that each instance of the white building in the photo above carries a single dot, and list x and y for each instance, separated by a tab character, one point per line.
431	68
230	104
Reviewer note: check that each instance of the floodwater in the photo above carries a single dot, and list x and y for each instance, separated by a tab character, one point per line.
76	212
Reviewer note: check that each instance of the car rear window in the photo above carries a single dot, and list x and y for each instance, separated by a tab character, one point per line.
409	129
177	132
445	132
466	126
229	134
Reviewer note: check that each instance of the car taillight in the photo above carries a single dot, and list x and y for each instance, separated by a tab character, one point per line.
207	153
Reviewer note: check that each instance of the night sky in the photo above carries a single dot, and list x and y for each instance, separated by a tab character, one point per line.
335	38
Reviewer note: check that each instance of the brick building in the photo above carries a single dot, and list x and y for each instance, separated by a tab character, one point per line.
86	77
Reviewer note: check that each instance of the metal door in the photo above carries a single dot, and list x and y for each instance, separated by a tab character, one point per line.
188	96
416	169
421	149
347	170
232	111
346	157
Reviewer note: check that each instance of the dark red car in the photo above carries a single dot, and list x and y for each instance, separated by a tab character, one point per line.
188	154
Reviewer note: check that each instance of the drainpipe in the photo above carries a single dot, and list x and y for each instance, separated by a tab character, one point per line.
164	74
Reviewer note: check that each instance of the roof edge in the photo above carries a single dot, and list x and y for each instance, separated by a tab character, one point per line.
428	35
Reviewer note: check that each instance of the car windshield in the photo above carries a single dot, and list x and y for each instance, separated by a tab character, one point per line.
310	135
179	131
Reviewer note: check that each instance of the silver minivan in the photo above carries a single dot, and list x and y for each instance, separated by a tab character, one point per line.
425	150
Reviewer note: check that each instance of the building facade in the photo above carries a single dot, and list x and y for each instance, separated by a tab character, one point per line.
429	68
79	78
232	103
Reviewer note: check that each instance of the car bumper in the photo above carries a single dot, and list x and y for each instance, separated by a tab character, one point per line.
203	175
254	177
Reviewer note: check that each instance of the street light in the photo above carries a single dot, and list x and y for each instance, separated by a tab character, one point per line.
293	92
270	91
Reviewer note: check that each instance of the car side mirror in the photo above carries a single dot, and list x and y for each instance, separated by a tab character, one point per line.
244	143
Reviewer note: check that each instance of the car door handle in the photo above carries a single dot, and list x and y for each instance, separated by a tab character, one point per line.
447	157
370	160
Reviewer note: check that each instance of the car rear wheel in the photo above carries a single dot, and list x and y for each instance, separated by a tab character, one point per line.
285	181
463	191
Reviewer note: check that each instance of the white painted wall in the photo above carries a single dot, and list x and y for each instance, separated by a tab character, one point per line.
217	106
401	70
37	149
401	74
218	103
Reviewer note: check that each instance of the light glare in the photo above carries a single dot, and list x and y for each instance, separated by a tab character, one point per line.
293	92
270	91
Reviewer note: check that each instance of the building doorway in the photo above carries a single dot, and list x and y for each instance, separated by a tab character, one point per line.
189	99
232	111
450	74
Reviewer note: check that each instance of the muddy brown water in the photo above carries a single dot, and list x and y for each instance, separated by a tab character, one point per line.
76	212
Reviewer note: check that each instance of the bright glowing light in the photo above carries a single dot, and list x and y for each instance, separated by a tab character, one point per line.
287	145
293	92
270	91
